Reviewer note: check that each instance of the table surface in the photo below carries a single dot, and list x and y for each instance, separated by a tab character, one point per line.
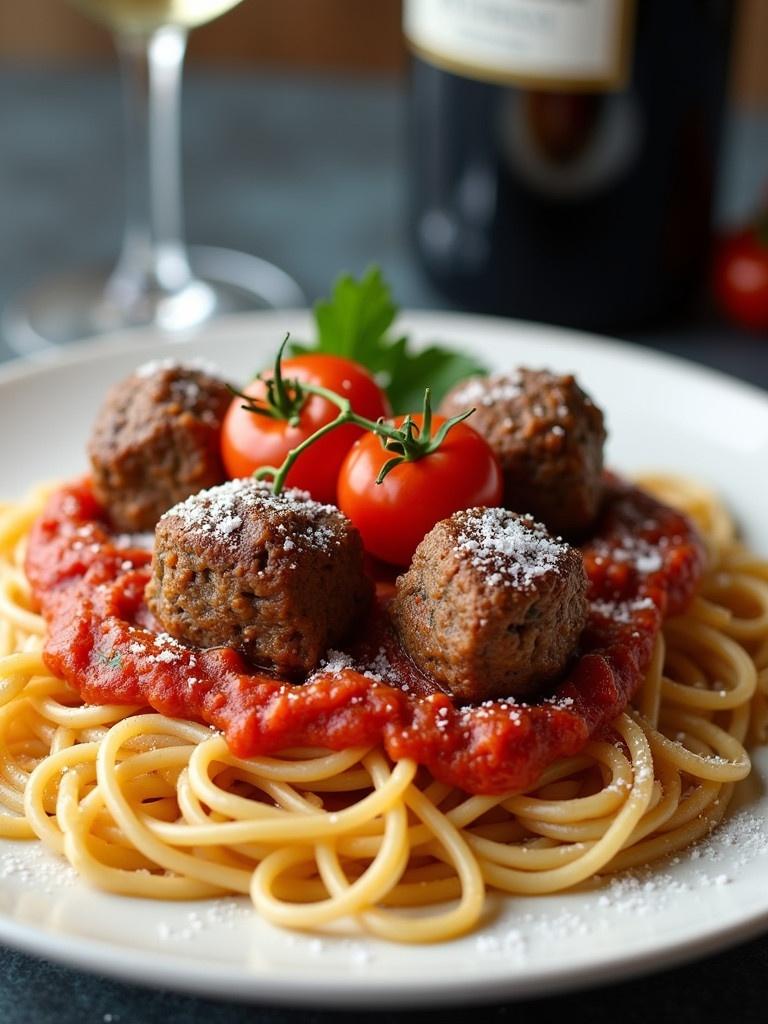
307	173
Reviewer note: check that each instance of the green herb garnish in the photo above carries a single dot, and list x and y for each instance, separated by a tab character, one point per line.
112	660
356	323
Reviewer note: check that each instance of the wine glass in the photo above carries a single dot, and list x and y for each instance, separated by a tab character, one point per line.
157	280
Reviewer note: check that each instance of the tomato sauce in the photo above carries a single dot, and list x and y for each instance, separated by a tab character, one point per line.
643	563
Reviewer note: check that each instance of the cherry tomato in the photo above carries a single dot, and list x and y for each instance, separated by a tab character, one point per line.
249	441
741	277
394	516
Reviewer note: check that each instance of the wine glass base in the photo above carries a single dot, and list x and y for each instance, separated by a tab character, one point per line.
76	305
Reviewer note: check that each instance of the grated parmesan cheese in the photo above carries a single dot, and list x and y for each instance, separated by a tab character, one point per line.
509	550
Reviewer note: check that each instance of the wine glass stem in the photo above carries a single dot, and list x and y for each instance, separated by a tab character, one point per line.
153	256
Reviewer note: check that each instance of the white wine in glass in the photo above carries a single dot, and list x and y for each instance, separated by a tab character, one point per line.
147	15
157	281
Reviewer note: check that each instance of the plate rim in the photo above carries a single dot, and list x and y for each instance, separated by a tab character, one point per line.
360	991
137	338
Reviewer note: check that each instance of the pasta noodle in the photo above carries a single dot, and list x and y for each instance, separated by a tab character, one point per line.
154	807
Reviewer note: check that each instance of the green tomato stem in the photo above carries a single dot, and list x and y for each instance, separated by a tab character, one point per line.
279	473
408	443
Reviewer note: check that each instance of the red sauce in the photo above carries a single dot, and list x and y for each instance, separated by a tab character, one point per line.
643	563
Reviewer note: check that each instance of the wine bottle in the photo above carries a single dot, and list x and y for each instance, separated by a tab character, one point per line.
563	153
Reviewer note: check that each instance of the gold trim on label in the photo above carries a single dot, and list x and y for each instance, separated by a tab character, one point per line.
613	81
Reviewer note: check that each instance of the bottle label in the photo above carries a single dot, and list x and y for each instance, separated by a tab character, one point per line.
563	45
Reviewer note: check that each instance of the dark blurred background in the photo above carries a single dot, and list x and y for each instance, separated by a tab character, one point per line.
354	36
294	126
295	147
337	35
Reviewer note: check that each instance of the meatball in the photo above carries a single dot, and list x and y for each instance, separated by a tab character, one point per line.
156	440
278	577
548	435
492	605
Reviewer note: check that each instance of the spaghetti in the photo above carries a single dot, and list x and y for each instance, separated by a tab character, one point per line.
145	805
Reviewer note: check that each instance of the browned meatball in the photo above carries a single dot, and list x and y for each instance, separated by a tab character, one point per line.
492	605
548	435
280	578
156	440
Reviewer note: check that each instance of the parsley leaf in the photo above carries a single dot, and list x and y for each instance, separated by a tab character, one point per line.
435	368
355	323
113	659
355	320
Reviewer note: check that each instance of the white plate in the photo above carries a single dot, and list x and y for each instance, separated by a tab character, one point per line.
662	413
